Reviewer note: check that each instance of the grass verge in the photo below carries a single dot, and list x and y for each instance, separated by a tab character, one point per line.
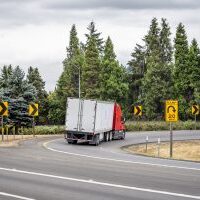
182	150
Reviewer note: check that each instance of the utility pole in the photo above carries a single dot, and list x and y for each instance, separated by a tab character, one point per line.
79	82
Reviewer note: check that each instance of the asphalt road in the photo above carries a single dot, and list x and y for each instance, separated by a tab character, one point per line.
42	169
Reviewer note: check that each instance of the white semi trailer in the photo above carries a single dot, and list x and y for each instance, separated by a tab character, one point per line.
91	121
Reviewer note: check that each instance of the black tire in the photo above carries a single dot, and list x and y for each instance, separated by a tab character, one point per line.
109	138
74	142
105	137
97	141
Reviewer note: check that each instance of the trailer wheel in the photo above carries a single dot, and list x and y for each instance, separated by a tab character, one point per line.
74	142
97	140
107	137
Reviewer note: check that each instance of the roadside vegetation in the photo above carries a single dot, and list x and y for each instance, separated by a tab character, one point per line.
182	150
160	125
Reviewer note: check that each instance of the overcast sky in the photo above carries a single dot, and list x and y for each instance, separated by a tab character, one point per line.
36	32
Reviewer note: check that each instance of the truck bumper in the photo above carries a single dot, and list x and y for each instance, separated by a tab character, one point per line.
78	137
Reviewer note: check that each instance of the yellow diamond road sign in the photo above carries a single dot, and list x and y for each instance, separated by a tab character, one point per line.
138	110
4	108
171	110
195	109
33	109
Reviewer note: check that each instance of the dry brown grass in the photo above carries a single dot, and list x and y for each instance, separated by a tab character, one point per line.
182	150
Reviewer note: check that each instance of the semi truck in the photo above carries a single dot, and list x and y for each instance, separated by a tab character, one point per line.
93	121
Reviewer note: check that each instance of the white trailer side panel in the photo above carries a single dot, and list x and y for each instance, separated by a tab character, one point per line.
104	117
72	115
88	116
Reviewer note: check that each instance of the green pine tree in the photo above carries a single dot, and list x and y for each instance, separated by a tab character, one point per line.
6	72
91	70
113	85
157	81
19	93
183	89
36	80
136	70
96	35
194	74
165	42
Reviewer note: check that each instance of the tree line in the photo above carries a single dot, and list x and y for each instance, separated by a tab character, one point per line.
159	69
20	91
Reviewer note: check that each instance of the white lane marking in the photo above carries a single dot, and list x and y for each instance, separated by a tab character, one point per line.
14	196
102	183
117	160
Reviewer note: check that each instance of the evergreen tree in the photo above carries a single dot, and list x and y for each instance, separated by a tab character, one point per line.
19	93
194	73
165	42
96	35
157	81
113	85
152	39
6	72
181	71
91	70
36	80
136	70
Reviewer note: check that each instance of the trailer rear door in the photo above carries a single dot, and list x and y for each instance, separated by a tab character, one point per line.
88	116
72	116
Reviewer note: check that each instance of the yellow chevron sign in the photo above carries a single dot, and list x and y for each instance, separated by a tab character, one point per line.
138	110
195	109
33	110
4	108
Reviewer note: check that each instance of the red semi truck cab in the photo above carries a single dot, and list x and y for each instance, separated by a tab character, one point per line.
118	122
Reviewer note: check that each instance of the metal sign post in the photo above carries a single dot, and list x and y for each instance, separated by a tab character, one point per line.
147	139
171	140
159	147
171	115
2	131
33	125
195	122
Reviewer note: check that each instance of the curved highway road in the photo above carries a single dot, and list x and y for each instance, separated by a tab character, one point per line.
42	169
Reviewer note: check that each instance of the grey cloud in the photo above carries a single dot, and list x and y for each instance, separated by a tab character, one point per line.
20	12
122	4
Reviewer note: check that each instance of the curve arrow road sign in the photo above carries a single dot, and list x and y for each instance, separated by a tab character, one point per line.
195	109
4	108
33	109
171	110
138	110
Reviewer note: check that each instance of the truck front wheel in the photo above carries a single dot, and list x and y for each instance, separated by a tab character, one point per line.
123	135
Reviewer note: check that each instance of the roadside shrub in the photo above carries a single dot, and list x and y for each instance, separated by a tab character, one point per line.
45	130
160	125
